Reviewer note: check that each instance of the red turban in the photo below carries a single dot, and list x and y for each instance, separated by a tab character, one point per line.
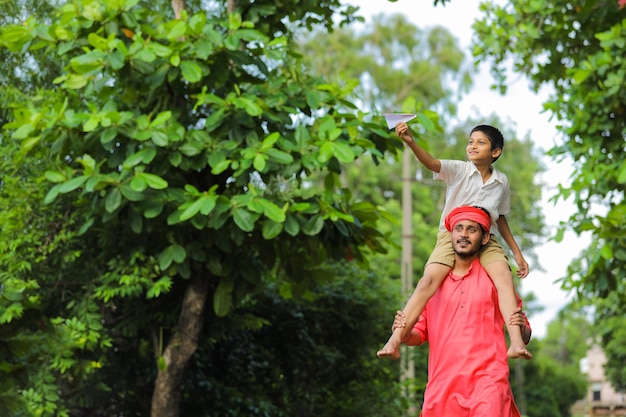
468	213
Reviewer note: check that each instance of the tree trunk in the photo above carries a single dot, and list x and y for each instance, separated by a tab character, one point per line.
184	341
178	6
231	5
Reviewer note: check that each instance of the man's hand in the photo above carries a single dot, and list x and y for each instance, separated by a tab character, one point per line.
518	318
399	321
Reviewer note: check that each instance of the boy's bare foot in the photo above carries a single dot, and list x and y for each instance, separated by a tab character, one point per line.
519	352
389	352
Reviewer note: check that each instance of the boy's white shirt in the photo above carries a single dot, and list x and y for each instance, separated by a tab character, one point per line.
466	188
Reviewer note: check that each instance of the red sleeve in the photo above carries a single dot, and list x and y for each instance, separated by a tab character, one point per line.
421	327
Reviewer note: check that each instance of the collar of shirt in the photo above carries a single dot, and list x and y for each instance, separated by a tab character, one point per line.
466	274
495	175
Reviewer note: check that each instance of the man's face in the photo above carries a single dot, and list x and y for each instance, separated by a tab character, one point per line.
467	238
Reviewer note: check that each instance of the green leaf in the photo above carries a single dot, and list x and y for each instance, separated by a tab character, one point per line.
130	194
30	143
191	71
606	252
279	156
270	140
138	183
159	138
313	98
292	226
248	105
89	62
15	36
271	210
159	50
153	209
313	226
259	162
191	210
243	219
173	253
426	122
621	178
220	167
145	55
161	364
271	229
145	156
116	60
75	81
223	298
52	194
163	285
72	184
113	200
208	203
161	118
108	135
55	176
343	152
154	181
177	31
326	152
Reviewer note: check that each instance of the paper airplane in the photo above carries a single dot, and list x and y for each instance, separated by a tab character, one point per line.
394	118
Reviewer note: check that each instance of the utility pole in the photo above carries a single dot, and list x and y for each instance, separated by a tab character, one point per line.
407	364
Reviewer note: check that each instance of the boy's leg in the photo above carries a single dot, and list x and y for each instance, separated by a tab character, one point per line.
434	274
500	274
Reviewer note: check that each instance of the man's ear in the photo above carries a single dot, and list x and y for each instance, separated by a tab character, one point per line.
486	237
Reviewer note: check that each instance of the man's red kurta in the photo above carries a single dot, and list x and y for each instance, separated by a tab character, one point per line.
468	371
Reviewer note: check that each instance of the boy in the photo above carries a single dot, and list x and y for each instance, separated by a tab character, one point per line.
470	183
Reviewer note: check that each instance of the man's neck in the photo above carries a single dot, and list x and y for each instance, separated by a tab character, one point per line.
462	264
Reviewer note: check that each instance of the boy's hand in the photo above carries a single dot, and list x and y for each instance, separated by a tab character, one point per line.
402	130
522	265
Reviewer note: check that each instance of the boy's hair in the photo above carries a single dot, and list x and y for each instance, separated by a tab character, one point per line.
494	135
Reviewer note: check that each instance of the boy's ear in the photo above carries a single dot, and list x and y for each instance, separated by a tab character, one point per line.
496	153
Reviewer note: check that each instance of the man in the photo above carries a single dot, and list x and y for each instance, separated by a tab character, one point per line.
467	365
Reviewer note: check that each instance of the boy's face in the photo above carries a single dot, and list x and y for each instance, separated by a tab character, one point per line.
479	148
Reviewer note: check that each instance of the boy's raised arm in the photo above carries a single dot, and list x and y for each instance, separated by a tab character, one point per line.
429	161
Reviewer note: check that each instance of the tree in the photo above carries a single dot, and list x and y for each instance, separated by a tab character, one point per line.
576	50
610	331
173	157
568	335
313	358
554	379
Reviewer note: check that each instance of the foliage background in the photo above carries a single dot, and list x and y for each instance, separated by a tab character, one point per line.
84	299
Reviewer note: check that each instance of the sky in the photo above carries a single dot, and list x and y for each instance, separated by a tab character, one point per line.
523	108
